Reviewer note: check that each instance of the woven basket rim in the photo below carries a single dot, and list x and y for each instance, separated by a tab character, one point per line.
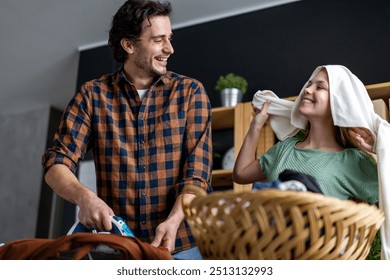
275	224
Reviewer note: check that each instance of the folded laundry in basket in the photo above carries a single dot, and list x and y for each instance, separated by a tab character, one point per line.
291	180
309	181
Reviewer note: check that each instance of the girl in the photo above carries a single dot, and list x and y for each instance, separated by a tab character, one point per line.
342	133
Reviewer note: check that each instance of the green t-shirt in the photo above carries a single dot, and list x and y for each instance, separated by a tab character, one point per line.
346	174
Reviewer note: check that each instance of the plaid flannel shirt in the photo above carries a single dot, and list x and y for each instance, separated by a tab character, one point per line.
145	151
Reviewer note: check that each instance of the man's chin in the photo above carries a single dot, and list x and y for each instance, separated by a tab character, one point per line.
160	70
160	73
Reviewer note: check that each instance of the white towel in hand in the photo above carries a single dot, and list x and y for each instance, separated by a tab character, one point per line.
279	111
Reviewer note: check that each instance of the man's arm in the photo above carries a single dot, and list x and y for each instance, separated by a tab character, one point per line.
94	212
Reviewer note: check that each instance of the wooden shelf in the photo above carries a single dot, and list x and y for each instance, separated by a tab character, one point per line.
223	118
379	91
222	177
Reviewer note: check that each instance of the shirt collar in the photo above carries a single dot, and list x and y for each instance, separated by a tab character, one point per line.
119	76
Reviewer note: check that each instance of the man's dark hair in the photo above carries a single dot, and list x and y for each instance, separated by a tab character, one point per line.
127	22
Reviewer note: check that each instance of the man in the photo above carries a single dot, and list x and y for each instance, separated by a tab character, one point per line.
149	130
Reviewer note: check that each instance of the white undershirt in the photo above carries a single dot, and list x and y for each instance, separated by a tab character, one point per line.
141	92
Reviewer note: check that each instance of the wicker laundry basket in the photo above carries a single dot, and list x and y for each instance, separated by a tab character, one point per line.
273	224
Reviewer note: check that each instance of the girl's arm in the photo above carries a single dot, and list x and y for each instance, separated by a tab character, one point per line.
247	168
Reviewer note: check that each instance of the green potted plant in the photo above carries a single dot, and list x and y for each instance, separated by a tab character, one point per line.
231	87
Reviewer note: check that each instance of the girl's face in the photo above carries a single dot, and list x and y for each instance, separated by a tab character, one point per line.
315	101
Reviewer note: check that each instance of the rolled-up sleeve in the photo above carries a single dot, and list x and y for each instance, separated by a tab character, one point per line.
198	167
71	140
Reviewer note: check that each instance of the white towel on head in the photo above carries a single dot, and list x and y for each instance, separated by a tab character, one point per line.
350	103
279	111
351	106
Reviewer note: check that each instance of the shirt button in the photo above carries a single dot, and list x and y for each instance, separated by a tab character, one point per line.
143	222
142	142
143	193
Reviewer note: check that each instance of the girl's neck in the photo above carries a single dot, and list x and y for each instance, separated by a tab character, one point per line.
321	137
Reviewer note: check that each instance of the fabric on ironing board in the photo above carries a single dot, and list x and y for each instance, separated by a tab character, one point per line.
351	106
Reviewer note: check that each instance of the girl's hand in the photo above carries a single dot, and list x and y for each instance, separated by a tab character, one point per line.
261	116
362	137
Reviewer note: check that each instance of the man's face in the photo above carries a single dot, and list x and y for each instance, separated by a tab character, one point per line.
154	47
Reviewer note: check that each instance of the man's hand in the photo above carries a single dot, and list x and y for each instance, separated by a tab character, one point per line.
165	236
95	213
166	231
